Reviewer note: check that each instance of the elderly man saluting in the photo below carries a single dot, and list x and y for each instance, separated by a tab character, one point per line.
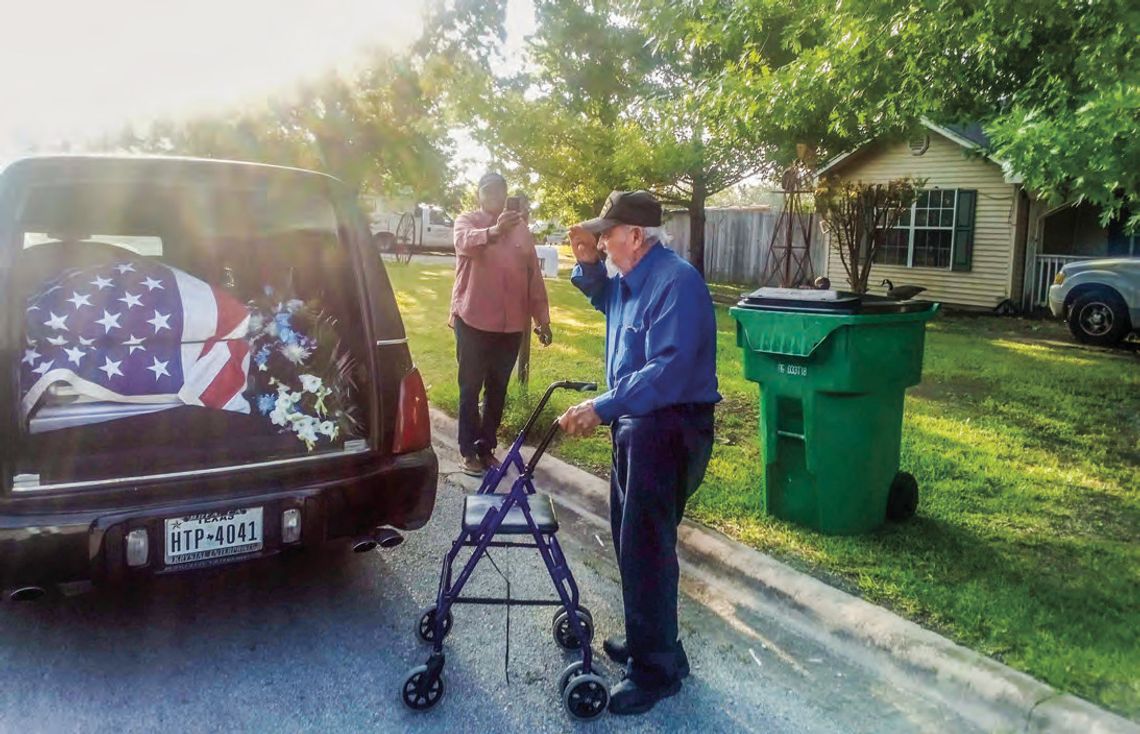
661	371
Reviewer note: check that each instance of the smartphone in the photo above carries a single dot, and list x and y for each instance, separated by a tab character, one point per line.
514	204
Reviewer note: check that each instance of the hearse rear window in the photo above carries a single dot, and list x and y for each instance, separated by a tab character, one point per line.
178	327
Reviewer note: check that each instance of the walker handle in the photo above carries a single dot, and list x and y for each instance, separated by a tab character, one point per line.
563	385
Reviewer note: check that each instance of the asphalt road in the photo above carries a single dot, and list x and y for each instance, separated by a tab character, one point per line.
322	643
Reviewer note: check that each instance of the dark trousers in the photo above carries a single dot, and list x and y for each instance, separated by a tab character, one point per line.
659	461
485	362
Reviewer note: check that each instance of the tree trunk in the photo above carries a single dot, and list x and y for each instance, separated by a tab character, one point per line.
697	226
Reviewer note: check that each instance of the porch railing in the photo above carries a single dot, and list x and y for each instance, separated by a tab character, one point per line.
1045	269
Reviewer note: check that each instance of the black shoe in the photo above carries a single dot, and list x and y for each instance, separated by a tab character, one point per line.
615	650
626	697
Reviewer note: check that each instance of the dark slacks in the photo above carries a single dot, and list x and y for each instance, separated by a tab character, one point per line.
485	359
659	461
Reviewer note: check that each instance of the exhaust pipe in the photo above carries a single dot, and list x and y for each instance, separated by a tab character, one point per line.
363	544
387	538
26	593
384	537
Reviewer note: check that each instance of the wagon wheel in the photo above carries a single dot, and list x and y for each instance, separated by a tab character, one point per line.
405	238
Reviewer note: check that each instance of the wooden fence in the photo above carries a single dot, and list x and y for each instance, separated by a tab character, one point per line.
737	243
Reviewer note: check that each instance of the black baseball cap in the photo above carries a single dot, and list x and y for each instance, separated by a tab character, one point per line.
639	208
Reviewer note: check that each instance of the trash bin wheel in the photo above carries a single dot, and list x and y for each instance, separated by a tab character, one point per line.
419	694
902	502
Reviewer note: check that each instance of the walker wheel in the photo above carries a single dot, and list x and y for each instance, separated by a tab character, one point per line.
573	670
582	610
586	697
425	625
564	632
419	694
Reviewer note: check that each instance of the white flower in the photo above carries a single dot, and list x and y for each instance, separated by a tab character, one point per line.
279	415
328	428
306	429
294	305
295	353
256	323
312	383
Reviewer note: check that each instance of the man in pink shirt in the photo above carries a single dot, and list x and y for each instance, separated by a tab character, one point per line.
498	289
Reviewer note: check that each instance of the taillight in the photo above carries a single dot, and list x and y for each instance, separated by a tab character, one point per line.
413	423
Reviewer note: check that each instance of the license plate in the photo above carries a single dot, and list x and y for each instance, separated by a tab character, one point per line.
207	535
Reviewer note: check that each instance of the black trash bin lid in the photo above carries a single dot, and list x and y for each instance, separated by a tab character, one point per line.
804	300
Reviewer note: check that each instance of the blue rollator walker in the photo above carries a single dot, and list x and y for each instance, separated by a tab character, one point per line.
519	512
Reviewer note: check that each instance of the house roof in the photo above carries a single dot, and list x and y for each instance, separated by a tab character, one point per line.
970	136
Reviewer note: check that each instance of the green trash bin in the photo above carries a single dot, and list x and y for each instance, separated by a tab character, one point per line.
833	369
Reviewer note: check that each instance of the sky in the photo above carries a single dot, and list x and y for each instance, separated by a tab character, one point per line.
78	68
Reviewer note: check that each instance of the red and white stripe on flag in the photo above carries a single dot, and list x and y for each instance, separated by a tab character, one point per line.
215	354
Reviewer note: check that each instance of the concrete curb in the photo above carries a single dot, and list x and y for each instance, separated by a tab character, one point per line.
993	696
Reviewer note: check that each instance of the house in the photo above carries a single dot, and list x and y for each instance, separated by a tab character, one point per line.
975	237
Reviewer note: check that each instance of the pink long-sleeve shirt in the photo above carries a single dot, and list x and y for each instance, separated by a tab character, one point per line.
498	282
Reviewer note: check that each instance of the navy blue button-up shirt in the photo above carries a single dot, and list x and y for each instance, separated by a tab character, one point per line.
660	334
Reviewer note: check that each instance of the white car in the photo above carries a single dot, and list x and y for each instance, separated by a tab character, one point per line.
1100	299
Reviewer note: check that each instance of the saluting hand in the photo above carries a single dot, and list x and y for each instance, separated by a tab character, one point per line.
585	245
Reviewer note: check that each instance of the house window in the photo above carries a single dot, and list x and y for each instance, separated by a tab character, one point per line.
924	236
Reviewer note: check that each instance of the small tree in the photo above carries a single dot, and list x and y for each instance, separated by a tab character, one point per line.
858	216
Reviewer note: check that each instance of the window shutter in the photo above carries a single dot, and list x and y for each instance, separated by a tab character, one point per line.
963	257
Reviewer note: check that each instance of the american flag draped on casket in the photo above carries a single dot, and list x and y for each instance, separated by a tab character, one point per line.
136	334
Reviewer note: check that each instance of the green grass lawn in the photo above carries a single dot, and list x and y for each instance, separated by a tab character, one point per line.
1026	448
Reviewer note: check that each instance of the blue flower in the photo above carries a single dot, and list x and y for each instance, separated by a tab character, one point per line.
282	320
265	403
286	335
262	356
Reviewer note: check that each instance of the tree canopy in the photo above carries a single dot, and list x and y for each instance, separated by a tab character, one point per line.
1055	84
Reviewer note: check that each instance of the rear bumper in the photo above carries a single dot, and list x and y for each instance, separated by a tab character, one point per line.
47	547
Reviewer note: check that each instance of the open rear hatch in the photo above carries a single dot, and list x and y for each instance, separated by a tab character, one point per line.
181	325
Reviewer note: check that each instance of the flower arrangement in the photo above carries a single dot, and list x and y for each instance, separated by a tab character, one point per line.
301	376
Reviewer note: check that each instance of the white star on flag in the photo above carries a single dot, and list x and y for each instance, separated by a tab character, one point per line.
151	284
57	341
131	300
79	300
111	368
109	321
135	343
159	369
102	283
30	356
74	355
125	268
159	322
57	322
43	368
85	342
